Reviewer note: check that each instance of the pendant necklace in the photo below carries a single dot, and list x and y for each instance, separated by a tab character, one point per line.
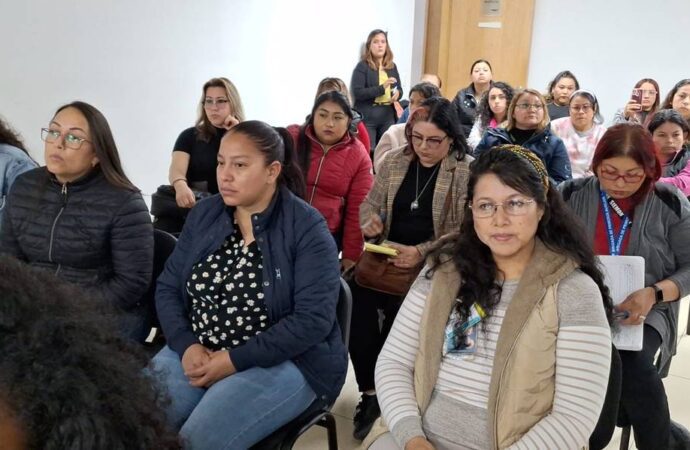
415	203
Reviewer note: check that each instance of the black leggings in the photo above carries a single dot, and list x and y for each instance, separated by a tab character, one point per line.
366	336
378	118
643	397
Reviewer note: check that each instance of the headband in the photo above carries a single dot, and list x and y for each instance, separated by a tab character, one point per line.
532	159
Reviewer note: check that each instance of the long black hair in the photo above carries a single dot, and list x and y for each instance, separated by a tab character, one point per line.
484	109
275	144
67	378
103	143
559	229
303	142
559	76
440	112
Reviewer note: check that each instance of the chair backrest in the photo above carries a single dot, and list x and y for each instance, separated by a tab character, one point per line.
344	311
163	245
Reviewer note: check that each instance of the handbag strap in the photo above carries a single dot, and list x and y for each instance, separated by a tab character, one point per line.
446	203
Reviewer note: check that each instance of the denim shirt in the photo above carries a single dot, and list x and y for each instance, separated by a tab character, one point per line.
13	162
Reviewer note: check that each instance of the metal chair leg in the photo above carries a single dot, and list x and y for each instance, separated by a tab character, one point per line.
625	438
329	424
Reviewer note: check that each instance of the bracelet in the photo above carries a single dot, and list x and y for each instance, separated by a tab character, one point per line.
176	180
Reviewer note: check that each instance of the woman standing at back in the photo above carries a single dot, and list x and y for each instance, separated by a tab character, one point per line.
376	85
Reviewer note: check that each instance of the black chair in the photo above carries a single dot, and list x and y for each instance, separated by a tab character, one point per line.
163	245
317	413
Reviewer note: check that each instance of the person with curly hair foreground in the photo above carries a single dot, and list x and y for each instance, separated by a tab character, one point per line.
67	378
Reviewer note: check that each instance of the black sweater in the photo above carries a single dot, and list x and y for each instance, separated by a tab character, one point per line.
365	85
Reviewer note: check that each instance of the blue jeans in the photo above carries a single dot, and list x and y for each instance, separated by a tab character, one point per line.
235	412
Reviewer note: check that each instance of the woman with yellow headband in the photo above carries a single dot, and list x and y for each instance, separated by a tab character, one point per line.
512	311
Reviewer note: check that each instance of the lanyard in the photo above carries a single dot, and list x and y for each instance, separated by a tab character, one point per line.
615	243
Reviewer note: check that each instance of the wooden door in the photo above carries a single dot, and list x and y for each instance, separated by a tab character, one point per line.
459	32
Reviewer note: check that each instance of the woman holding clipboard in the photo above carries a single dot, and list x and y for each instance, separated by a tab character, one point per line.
627	213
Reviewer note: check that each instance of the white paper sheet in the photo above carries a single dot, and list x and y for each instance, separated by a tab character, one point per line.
624	275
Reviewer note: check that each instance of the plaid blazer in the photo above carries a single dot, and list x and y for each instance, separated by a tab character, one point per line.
452	179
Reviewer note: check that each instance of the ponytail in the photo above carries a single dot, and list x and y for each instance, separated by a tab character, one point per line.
291	175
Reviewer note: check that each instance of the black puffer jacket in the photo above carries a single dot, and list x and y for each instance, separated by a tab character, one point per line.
87	232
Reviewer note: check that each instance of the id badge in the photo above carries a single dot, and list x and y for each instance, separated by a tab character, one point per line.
461	338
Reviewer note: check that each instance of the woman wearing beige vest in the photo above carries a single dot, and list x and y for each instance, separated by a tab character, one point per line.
505	343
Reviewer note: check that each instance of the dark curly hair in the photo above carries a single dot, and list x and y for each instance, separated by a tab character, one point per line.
10	137
440	112
484	108
66	376
559	229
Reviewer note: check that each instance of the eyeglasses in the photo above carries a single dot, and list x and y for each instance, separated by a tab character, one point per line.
220	102
648	92
514	207
535	107
583	108
432	143
614	176
71	141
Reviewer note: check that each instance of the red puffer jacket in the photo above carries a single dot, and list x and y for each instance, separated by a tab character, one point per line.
337	183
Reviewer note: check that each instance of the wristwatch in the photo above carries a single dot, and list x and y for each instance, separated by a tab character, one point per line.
658	294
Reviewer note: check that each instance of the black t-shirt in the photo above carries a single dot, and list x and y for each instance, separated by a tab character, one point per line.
409	225
202	157
521	136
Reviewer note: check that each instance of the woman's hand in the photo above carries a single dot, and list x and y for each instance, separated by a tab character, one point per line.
373	227
183	194
218	366
230	122
631	108
195	356
408	256
389	82
395	96
418	443
638	304
346	264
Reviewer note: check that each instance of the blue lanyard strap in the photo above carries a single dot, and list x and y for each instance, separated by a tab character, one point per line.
615	243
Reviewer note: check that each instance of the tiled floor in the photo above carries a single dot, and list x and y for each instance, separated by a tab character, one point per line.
677	389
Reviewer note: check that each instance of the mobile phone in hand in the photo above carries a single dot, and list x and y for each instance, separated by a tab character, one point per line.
636	96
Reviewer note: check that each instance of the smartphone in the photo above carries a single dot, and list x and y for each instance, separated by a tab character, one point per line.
636	96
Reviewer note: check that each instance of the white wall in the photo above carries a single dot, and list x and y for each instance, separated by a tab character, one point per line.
142	63
610	44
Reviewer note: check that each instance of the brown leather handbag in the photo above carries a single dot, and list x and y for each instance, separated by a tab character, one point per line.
373	271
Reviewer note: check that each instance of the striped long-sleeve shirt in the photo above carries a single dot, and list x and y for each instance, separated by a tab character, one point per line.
457	414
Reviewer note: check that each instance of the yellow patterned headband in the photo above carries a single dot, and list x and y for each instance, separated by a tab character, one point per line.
533	159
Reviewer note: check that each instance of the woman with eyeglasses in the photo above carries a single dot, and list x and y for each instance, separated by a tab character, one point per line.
503	340
643	103
376	85
337	170
492	111
558	94
626	212
417	198
193	167
81	218
528	126
14	161
678	99
581	131
467	99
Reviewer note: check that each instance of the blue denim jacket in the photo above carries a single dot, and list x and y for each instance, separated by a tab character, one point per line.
13	162
301	284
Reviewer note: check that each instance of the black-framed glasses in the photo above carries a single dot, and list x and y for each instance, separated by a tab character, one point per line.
220	102
513	207
431	142
71	141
